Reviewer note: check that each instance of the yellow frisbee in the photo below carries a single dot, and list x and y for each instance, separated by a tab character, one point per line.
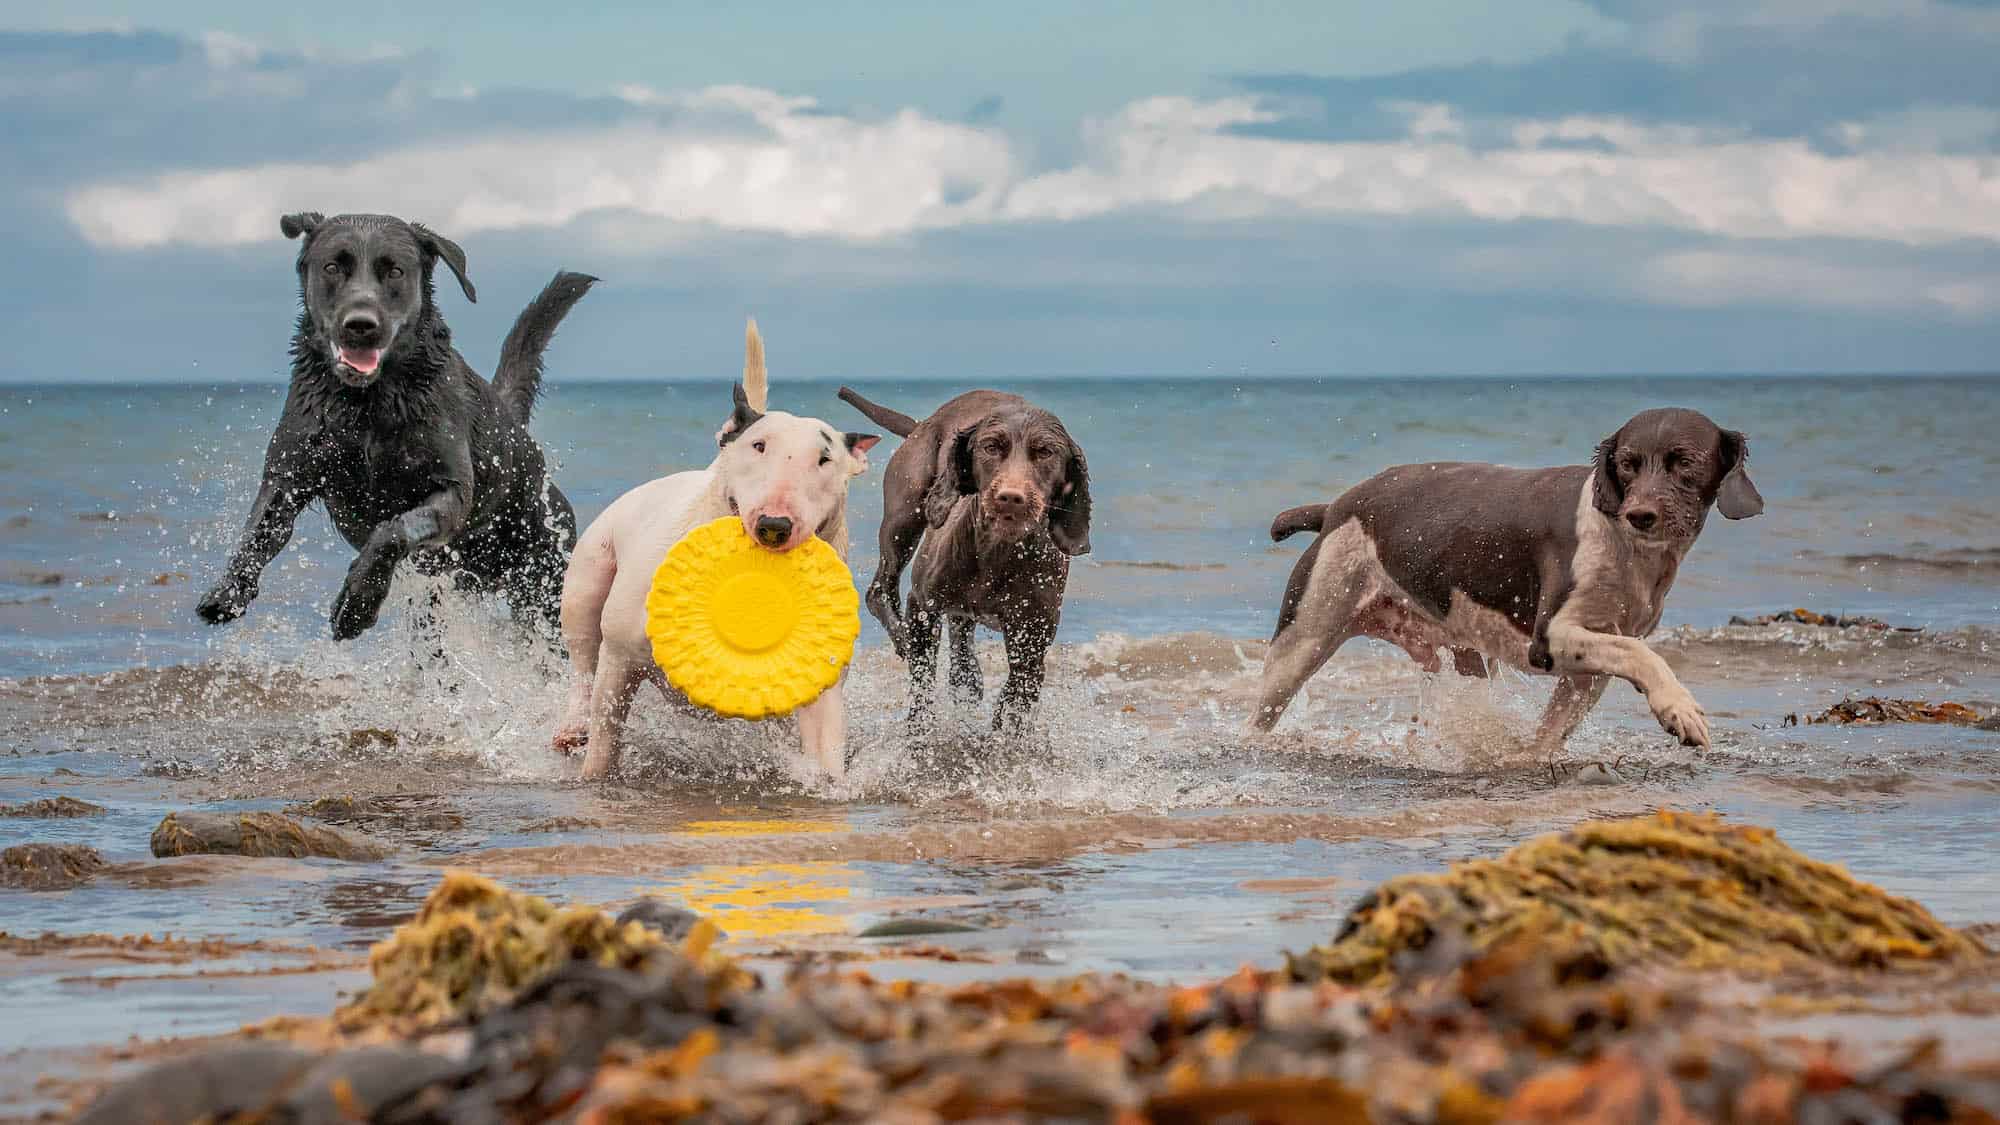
749	632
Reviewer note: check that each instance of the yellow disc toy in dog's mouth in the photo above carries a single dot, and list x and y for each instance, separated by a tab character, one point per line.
750	632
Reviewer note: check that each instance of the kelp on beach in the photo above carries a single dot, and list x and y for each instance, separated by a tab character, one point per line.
1524	988
1688	891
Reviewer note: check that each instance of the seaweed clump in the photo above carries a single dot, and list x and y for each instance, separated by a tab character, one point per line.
52	808
1875	709
1684	890
474	946
48	867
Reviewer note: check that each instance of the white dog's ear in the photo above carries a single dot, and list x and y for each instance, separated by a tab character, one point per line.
741	419
858	446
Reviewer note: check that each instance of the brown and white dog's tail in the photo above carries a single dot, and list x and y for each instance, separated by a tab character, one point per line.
756	381
894	421
1291	521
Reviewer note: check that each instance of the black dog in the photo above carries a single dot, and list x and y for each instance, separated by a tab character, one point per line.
412	452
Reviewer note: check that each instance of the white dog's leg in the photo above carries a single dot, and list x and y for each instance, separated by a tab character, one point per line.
586	586
823	731
618	680
1584	652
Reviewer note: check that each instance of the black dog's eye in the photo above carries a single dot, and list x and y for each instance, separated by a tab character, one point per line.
395	272
331	267
758	446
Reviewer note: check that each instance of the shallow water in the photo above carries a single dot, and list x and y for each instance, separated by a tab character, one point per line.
1138	830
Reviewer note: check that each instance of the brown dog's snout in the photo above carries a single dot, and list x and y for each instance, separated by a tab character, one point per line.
1642	517
1010	501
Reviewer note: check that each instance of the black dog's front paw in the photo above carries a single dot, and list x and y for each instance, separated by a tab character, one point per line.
360	598
226	601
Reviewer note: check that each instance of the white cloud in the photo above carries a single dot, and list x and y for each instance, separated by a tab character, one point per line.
800	172
1720	278
747	159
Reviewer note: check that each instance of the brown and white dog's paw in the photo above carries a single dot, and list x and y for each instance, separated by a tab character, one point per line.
1681	716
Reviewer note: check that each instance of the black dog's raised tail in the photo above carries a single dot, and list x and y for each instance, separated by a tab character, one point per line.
518	380
1291	521
894	421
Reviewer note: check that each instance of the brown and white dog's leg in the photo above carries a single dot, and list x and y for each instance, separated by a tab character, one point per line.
1335	583
1568	704
586	586
1576	651
618	680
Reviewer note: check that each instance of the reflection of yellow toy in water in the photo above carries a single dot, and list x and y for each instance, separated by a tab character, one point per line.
761	901
748	632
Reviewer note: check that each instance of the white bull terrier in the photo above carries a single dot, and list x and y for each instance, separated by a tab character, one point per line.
785	476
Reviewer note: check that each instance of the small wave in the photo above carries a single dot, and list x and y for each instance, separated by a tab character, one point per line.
1149	564
1953	560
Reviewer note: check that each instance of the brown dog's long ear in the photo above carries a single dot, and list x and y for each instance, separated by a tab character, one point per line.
952	478
1606	491
1737	498
1069	512
437	247
741	419
300	222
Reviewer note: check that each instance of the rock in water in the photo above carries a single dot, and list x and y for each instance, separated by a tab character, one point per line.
258	834
48	867
664	918
1672	888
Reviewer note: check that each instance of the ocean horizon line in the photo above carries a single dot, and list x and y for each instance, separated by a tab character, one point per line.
555	385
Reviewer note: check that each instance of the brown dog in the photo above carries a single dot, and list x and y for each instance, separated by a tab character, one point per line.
1549	570
1004	493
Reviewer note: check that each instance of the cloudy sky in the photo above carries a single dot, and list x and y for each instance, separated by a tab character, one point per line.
917	189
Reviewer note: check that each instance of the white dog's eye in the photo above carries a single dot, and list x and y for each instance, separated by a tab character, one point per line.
758	446
824	459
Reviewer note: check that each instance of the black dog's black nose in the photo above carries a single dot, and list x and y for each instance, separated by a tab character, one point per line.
1642	519
360	326
772	531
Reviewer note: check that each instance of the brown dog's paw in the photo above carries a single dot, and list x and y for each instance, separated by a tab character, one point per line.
571	740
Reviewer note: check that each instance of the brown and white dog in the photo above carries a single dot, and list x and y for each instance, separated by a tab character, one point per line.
1559	571
785	476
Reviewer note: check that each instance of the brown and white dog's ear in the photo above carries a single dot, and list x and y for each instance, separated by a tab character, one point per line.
1607	492
1737	498
300	222
1069	512
951	479
742	418
437	247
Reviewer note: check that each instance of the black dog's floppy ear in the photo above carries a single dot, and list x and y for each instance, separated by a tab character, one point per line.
1737	498
437	247
300	222
1606	492
951	479
741	419
1069	512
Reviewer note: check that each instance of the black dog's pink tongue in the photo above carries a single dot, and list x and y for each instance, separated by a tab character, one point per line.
363	360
